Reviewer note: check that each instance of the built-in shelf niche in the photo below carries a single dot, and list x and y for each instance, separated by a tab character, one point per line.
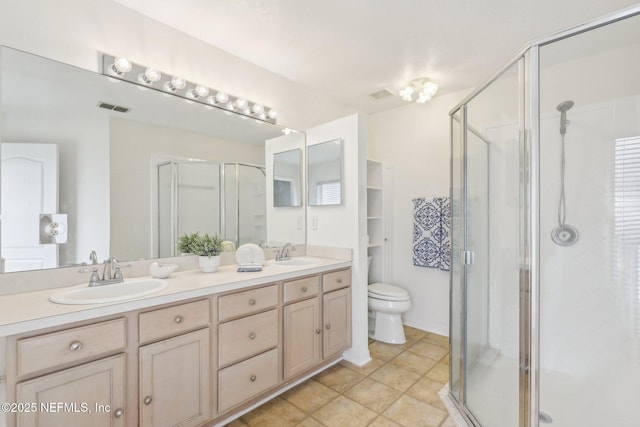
375	220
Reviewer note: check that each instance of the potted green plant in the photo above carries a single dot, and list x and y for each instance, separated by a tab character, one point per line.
207	247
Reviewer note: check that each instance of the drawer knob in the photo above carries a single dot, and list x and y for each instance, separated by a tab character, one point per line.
179	319
75	346
148	400
304	289
318	331
118	413
252	336
339	280
253	378
252	302
328	326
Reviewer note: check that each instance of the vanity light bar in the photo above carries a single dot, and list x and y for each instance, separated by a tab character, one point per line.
123	69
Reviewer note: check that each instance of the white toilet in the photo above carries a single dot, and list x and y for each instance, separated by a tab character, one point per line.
386	305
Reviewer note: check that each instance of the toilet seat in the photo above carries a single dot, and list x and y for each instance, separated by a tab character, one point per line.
387	292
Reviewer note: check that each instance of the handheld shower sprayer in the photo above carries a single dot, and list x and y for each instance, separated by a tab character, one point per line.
564	234
563	107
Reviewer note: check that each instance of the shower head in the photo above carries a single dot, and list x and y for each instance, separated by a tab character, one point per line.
563	107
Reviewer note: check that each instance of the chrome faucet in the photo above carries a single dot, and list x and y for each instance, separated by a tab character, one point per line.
283	253
111	274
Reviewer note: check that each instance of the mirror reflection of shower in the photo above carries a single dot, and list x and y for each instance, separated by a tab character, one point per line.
226	199
564	234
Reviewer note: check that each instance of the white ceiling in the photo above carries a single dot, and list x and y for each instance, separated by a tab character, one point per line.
348	49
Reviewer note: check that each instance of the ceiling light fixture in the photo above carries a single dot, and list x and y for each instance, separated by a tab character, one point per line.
424	88
123	69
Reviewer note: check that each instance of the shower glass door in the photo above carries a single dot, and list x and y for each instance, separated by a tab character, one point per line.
489	261
590	288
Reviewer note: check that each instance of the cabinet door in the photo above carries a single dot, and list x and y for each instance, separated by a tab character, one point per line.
337	322
302	336
92	394
175	384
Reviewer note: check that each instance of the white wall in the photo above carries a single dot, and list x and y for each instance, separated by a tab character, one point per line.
414	141
346	225
74	31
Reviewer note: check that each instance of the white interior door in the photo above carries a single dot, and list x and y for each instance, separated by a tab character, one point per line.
29	188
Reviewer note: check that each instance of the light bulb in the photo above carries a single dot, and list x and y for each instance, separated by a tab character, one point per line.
273	114
175	84
120	66
241	103
201	90
198	91
262	116
406	93
430	89
247	111
257	108
230	106
222	97
211	100
150	76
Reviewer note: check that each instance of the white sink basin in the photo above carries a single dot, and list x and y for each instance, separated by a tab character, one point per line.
129	289
298	261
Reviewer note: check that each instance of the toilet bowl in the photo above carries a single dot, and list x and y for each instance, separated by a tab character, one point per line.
387	303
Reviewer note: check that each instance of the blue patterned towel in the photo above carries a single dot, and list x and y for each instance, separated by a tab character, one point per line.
432	232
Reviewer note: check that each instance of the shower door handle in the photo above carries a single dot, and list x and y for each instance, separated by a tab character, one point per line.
467	257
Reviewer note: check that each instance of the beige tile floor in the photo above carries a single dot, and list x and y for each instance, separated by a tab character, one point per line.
399	387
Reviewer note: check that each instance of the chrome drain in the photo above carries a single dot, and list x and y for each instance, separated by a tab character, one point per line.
544	417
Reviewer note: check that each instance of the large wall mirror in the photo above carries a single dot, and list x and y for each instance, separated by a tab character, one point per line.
80	176
324	173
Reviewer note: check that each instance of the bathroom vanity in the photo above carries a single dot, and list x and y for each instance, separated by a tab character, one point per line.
199	352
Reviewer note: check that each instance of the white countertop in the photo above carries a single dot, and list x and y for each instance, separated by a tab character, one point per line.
32	310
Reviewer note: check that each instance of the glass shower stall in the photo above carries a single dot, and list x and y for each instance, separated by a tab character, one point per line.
225	199
545	280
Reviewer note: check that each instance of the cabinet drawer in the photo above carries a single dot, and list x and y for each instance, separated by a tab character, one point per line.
248	302
71	345
336	280
245	337
302	288
174	320
247	379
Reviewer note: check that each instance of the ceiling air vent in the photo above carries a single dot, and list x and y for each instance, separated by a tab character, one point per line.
112	107
382	93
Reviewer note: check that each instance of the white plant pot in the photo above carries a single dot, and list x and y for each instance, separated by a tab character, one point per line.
209	264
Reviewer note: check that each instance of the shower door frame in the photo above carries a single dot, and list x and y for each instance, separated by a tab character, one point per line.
526	76
529	281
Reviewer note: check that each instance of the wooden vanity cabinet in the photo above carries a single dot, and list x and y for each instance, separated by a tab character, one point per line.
318	327
91	394
248	345
192	363
76	376
175	375
336	312
302	318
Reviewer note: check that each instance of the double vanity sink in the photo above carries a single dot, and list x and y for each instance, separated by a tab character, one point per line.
141	287
239	337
